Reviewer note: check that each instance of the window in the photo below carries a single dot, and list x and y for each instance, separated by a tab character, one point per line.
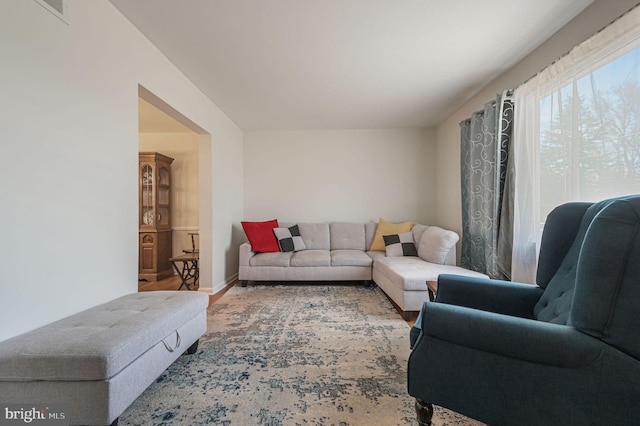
576	133
590	135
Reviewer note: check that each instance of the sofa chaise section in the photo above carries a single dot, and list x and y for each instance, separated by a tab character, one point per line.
405	279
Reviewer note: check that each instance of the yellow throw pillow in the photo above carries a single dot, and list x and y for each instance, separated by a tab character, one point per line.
388	228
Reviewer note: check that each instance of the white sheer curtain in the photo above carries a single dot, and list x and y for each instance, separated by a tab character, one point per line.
576	134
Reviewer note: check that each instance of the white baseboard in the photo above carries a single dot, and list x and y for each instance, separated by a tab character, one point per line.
220	286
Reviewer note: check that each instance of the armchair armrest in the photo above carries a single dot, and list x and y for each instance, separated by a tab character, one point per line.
519	338
503	297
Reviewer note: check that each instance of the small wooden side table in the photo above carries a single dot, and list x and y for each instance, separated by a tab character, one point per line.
189	270
432	287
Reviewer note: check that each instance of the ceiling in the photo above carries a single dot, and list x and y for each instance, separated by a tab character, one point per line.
338	64
153	120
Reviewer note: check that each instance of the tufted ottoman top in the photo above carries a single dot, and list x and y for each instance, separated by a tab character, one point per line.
98	343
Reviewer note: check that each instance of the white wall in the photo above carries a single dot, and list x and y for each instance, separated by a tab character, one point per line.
68	181
340	175
596	16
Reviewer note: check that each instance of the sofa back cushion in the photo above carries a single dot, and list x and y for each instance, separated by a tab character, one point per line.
315	235
417	231
370	229
347	236
436	243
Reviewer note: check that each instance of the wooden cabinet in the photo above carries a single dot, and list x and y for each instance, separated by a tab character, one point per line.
154	216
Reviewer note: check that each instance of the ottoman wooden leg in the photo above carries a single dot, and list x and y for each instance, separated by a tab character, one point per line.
193	348
424	412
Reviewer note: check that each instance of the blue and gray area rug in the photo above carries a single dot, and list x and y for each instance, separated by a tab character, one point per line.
315	354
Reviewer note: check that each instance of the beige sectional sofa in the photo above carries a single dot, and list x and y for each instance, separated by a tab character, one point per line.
339	251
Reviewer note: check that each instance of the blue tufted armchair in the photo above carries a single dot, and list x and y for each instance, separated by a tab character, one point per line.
563	352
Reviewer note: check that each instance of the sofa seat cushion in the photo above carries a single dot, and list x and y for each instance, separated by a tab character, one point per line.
311	258
98	343
376	255
412	273
350	258
271	259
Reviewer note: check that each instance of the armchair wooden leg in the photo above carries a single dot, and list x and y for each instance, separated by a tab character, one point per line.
424	412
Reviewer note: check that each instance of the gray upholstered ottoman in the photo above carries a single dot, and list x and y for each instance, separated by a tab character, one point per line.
97	362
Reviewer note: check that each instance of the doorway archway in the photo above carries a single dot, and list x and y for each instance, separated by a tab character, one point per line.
158	117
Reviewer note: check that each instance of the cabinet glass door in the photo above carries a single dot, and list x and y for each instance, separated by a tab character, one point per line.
164	187
147	212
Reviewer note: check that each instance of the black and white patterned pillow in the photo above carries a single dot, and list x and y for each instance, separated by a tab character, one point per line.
400	245
289	239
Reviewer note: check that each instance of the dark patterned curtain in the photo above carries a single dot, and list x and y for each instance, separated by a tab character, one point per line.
487	202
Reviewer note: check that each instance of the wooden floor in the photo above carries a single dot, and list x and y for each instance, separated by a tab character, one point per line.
173	283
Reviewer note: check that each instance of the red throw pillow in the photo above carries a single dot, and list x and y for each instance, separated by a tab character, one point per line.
261	235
